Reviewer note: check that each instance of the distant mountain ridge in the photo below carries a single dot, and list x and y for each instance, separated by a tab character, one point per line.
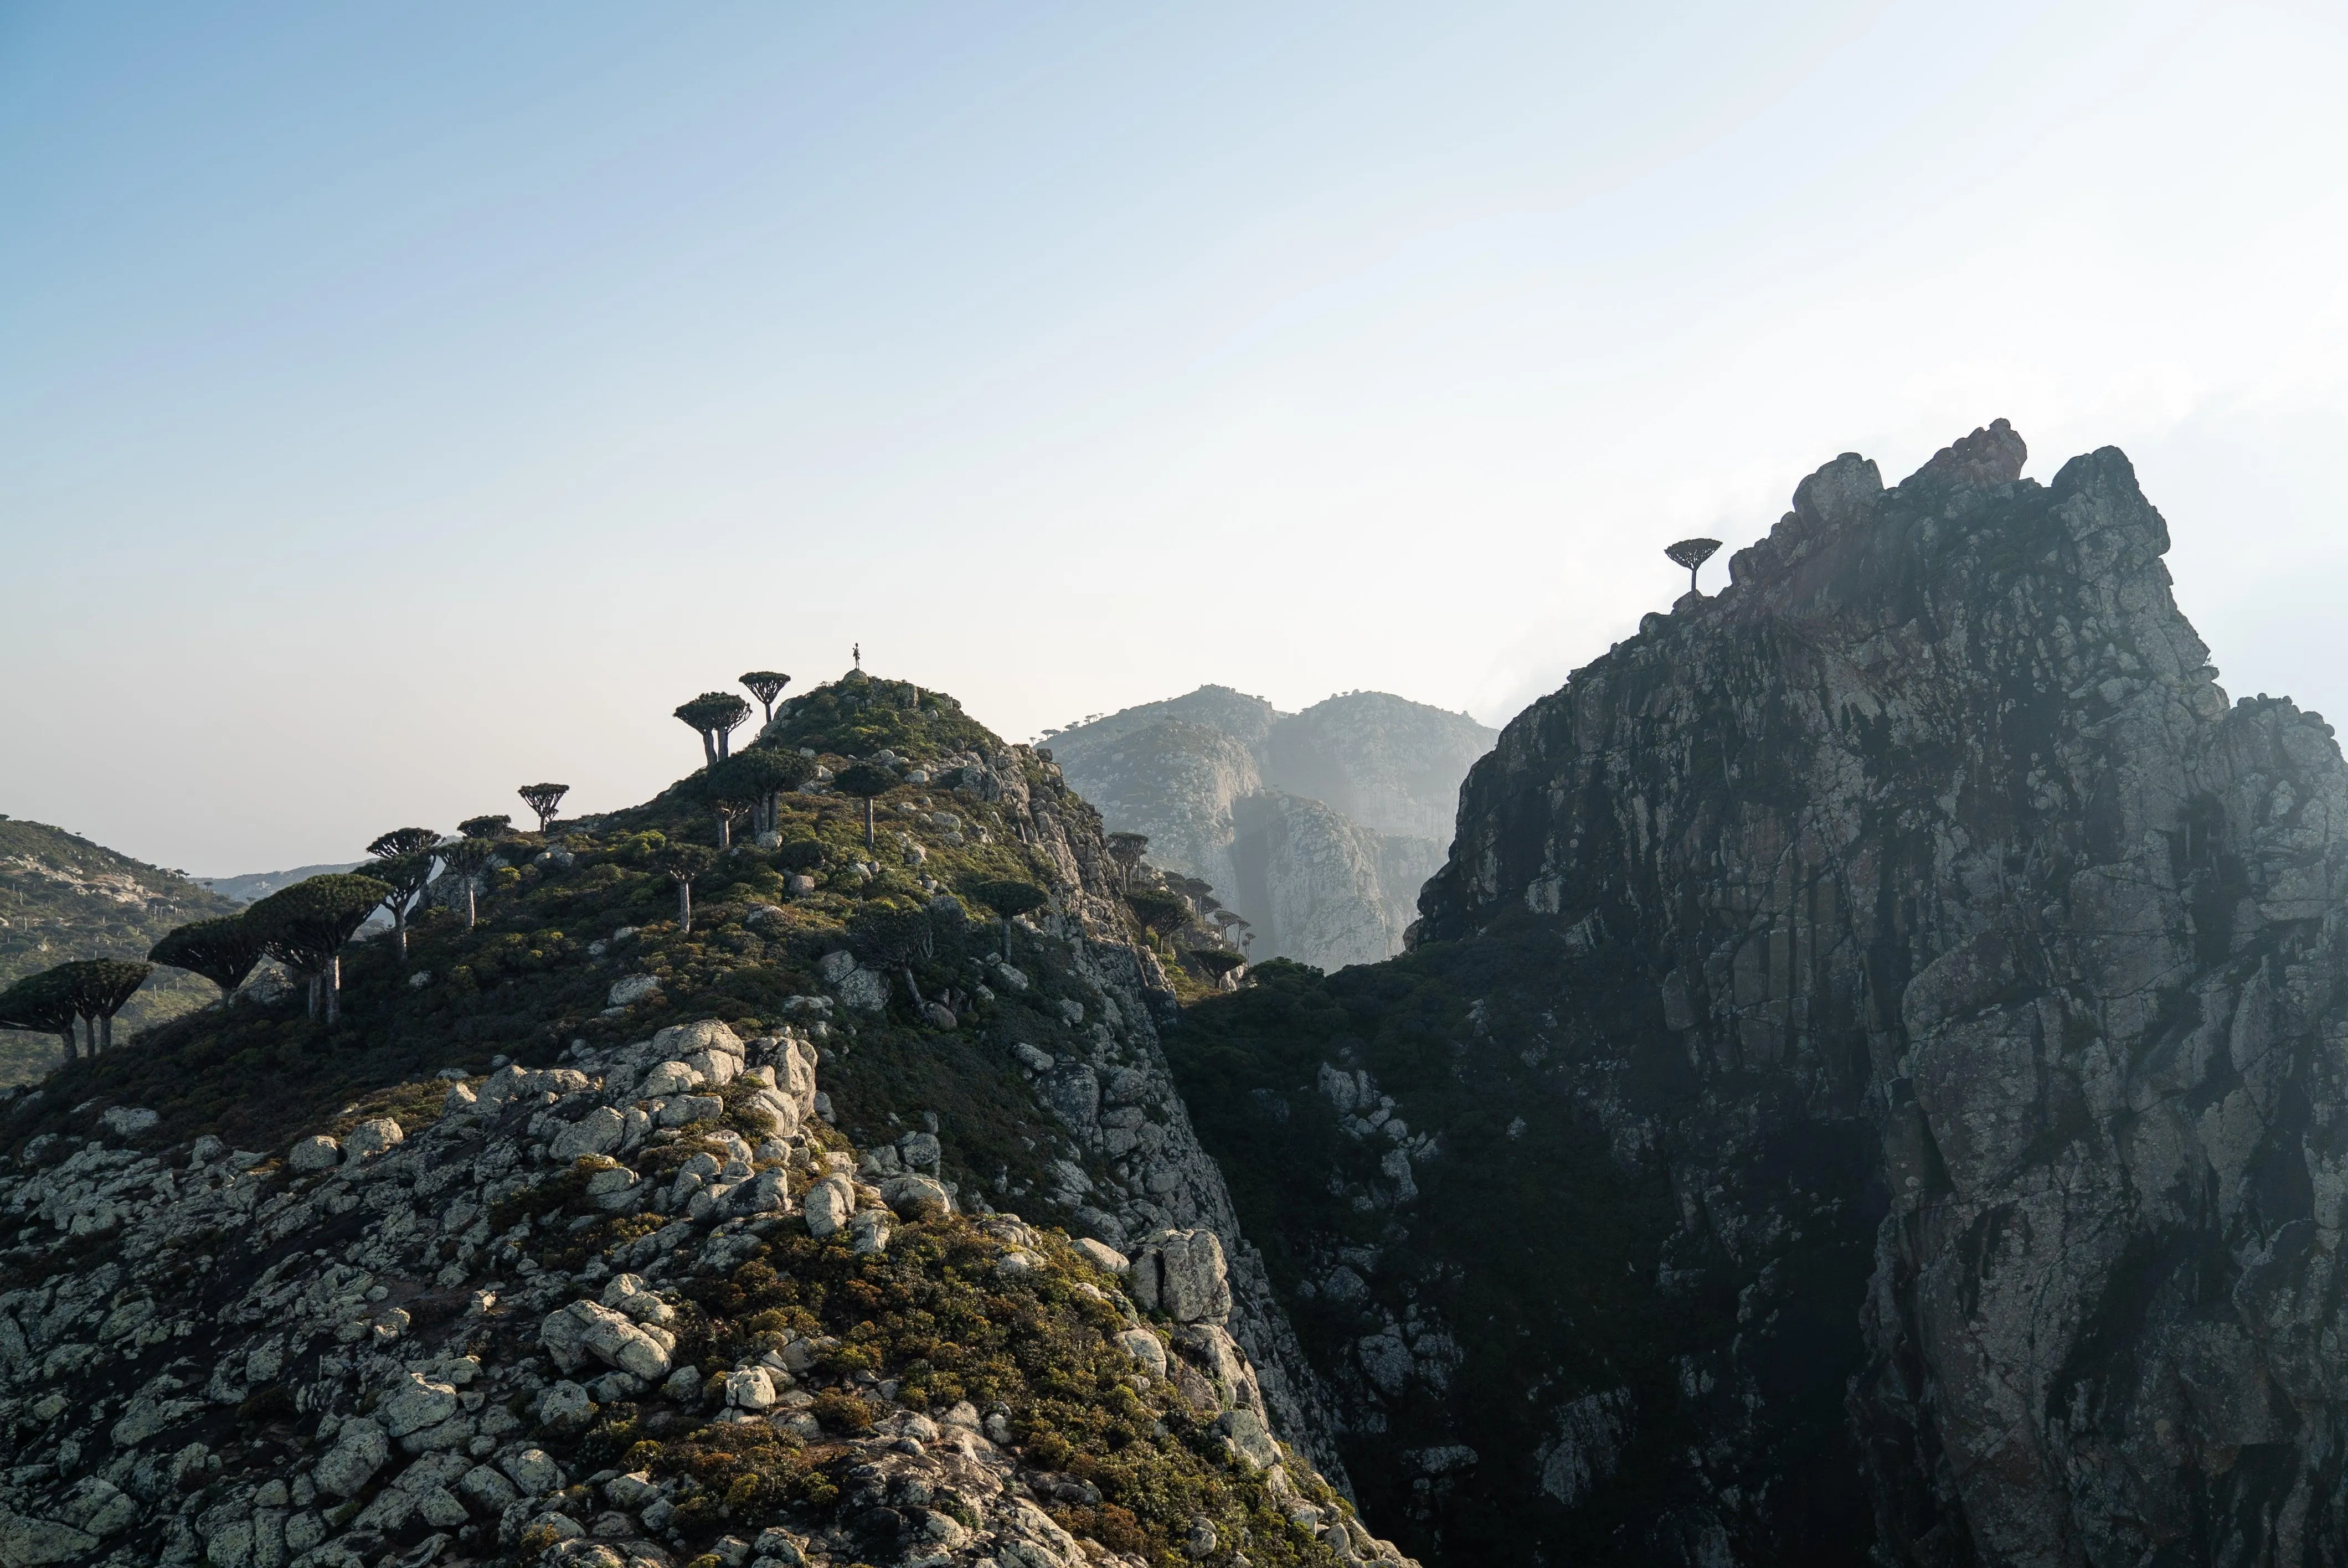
1319	827
256	884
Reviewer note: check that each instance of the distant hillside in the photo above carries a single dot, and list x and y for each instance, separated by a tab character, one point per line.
1319	827
254	885
62	896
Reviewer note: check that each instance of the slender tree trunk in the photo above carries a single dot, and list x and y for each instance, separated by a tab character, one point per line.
709	747
66	1034
725	832
867	821
684	905
910	985
724	744
314	996
332	982
470	910
399	924
106	1032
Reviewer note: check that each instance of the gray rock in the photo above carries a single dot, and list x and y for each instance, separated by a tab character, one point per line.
532	1472
828	1204
583	1328
1181	1272
360	1448
916	1197
370	1138
597	1133
633	989
565	1407
318	1152
416	1402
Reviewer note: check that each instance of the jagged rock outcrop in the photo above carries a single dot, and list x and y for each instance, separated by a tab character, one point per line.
1318	827
1919	993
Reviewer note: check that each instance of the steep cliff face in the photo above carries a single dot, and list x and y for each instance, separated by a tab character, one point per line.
1318	827
1898	1002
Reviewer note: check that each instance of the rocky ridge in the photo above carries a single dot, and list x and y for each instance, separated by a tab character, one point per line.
578	1318
1915	994
1024	1055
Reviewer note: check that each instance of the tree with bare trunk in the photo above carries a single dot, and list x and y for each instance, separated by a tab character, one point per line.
40	1004
868	782
1010	899
767	685
304	926
100	988
223	950
464	858
403	858
714	716
684	862
1218	962
1691	554
1160	911
1125	848
542	798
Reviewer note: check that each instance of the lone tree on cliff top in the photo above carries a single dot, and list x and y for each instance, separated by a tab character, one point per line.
40	1004
223	950
1691	554
542	798
767	685
402	859
304	926
715	716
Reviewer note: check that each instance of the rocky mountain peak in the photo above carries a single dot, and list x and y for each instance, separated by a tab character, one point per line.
1908	967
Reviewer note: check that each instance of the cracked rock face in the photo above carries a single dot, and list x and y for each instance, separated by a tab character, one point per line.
1917	989
1936	822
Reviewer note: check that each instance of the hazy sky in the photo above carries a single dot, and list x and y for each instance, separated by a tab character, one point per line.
398	404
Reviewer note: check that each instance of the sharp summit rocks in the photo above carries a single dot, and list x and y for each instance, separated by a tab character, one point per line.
1873	1068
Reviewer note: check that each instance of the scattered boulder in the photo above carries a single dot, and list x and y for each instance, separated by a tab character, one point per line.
631	991
1181	1272
828	1203
597	1133
130	1120
316	1152
1102	1256
583	1328
360	1448
370	1138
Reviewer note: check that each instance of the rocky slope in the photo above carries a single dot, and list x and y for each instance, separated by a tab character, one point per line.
62	896
1866	1085
1318	827
633	1289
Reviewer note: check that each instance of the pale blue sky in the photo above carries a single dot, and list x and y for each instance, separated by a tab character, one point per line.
397	403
